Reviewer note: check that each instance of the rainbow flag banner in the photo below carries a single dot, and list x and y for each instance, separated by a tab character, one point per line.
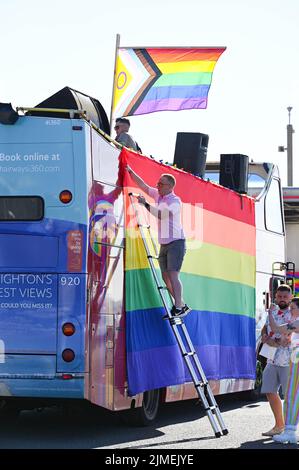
218	276
296	284
163	79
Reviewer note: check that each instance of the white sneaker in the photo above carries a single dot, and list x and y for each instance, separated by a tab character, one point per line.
287	437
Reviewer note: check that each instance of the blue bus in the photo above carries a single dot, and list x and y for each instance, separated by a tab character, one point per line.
62	315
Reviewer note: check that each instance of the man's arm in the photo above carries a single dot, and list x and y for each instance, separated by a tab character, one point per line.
264	330
273	325
286	328
159	213
142	185
296	325
267	338
270	341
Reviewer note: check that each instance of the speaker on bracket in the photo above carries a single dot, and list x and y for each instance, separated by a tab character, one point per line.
68	98
234	172
191	152
7	114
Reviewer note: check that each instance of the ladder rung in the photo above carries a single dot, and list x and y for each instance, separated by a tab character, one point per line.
207	408
153	257
213	407
200	384
189	353
144	226
176	321
162	288
213	410
173	320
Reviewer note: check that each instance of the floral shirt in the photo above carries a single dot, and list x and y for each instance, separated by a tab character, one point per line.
283	354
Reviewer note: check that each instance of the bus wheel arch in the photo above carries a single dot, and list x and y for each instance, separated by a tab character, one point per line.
146	414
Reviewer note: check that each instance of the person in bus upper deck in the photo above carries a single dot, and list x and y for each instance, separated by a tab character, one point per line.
122	126
275	374
170	234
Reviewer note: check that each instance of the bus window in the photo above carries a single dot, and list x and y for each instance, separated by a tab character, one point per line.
17	208
273	208
105	160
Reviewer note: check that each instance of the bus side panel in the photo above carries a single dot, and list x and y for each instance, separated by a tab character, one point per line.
105	262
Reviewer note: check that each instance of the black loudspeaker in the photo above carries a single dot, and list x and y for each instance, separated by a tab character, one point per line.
68	98
234	172
7	114
191	152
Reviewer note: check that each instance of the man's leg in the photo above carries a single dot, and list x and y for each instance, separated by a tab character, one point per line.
175	256
170	260
270	386
176	288
163	267
168	284
276	407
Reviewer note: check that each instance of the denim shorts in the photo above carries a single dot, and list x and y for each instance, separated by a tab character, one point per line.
171	255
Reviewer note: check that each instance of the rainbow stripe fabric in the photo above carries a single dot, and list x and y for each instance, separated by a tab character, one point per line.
218	276
296	281
163	79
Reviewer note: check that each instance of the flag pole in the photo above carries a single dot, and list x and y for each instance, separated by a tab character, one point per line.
117	42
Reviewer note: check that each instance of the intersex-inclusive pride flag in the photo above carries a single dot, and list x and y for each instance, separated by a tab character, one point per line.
218	275
163	79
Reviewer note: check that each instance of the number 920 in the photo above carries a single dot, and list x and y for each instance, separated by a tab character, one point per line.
70	281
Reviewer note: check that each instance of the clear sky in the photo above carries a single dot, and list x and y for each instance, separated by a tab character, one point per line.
48	44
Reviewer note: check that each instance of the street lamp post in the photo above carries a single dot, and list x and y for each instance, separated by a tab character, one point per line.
289	148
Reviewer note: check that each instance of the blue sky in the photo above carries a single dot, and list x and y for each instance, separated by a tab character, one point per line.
46	45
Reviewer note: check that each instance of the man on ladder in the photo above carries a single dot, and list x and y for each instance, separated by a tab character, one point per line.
172	240
170	234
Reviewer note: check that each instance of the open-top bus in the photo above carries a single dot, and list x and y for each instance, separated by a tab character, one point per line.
62	309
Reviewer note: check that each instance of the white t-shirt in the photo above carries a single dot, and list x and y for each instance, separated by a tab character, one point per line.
169	227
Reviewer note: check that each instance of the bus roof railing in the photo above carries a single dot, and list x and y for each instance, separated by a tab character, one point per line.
71	112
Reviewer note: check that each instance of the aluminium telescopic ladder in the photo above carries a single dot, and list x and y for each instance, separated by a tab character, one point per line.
187	349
